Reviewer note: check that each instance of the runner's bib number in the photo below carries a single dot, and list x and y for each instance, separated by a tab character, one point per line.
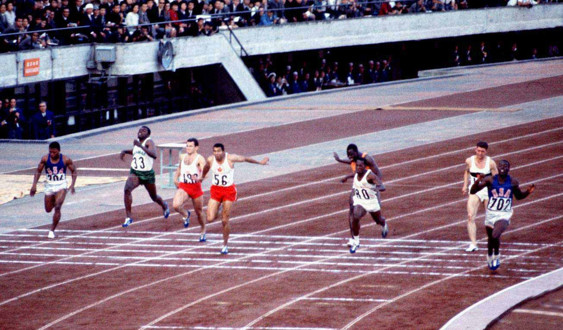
138	162
189	178
500	204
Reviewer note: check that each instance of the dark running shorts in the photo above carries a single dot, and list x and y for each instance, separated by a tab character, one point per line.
146	177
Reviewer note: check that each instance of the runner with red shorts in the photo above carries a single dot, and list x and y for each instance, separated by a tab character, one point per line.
223	189
188	181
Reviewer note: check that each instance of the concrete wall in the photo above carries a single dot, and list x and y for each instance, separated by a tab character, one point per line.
138	58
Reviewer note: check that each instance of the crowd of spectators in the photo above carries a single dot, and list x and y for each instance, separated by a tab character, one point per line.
15	125
84	21
286	78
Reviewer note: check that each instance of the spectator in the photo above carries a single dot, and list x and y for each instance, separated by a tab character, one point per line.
417	7
15	121
455	58
76	11
350	76
282	85
272	88
3	117
88	20
306	82
43	123
318	80
32	42
10	14
3	20
468	56
483	53
373	72
295	85
269	19
132	19
360	75
115	17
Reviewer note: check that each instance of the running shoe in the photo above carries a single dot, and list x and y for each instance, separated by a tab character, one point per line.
354	247
166	211
202	238
225	250
490	262
471	248
496	262
127	222
187	220
51	234
350	242
385	231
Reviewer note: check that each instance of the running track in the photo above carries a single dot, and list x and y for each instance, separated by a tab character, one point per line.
288	265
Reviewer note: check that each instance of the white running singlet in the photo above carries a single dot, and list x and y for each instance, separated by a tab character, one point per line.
141	161
365	193
189	173
223	174
473	170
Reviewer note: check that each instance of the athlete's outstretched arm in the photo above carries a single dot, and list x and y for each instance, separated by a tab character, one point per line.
518	193
37	175
338	159
239	159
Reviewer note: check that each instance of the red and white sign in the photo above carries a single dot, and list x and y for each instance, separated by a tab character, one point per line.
31	67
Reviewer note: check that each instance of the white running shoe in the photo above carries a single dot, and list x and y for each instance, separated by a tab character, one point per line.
51	234
490	261
350	242
225	250
385	231
471	248
496	262
354	247
127	222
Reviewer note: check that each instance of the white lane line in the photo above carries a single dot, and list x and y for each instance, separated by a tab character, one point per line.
537	312
297	267
263	316
438	271
274	238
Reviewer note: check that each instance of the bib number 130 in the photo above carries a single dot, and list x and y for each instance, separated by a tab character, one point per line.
219	180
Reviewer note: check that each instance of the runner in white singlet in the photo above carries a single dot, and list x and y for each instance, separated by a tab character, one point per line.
365	201
481	164
223	190
141	173
187	179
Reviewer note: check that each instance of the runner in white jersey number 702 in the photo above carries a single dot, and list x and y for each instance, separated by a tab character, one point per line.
480	163
188	181
141	173
223	190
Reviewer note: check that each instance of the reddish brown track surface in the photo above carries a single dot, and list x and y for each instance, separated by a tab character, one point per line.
288	265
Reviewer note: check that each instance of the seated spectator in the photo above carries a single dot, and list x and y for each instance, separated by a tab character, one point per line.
32	42
43	123
269	19
132	19
417	7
